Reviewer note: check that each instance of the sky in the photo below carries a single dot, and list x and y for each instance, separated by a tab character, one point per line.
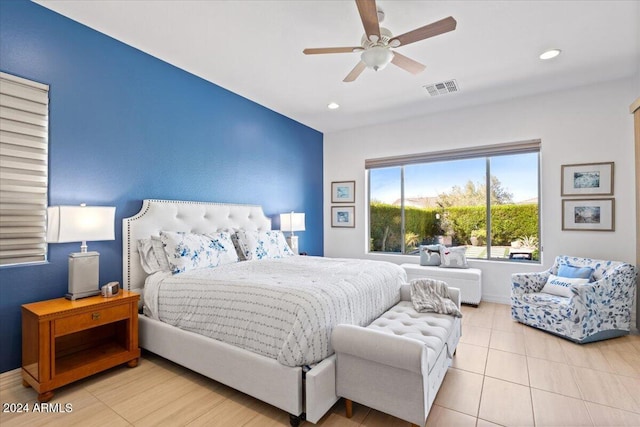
517	173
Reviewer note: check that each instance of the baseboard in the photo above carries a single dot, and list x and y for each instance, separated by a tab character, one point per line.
498	299
11	372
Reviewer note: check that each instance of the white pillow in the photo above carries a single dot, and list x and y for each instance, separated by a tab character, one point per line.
561	286
161	255
262	244
429	255
152	255
453	257
188	251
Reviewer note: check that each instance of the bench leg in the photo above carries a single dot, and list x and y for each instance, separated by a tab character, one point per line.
348	405
295	420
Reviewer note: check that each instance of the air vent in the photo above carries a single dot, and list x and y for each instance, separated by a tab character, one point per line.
442	88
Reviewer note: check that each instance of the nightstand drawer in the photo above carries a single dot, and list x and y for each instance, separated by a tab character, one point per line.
90	319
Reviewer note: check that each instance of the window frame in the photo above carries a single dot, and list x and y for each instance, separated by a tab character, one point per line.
487	152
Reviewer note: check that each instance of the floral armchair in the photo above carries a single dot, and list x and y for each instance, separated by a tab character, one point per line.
597	310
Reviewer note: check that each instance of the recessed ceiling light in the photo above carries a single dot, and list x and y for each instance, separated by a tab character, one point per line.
551	53
333	106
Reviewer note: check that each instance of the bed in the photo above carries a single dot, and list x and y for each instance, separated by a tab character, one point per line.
293	372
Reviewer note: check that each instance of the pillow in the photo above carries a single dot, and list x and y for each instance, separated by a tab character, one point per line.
561	286
261	244
152	255
429	254
188	251
453	257
161	255
147	256
571	271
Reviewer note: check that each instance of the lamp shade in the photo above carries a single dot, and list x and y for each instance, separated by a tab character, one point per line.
80	223
292	222
377	57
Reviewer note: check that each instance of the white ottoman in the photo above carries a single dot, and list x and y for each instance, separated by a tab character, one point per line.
468	280
396	364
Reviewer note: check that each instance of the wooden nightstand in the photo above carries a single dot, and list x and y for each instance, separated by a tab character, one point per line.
64	341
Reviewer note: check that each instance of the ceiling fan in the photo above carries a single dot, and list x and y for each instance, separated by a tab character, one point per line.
378	41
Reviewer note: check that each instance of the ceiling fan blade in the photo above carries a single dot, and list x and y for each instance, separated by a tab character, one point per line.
318	50
434	29
407	64
357	70
369	16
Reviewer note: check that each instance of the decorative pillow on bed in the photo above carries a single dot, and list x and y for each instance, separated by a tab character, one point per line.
561	286
223	244
453	257
152	255
188	251
161	255
262	244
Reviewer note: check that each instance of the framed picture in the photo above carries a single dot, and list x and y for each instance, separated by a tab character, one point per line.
343	216
343	192
588	214
587	179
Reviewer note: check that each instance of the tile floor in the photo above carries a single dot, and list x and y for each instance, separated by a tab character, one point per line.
504	374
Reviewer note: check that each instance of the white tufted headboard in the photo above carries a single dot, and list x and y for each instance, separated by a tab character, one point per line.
176	215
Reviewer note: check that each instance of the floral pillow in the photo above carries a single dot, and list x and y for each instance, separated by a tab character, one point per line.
262	244
453	257
188	251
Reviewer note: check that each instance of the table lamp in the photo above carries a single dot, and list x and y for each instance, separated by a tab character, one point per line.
292	222
81	224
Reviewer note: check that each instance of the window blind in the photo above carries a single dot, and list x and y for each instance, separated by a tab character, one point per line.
520	147
24	140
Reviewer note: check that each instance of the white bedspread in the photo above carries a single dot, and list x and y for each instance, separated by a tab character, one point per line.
284	309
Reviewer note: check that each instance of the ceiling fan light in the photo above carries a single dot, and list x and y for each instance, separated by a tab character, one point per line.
377	57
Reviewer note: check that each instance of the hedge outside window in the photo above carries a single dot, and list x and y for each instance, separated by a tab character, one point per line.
442	197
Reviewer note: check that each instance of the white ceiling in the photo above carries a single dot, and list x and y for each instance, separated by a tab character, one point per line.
254	48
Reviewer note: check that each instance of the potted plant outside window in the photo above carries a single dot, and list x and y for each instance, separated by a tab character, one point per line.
478	237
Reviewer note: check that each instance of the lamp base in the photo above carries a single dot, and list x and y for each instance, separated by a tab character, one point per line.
84	273
292	241
79	295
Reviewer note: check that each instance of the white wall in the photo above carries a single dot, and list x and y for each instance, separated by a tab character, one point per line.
583	125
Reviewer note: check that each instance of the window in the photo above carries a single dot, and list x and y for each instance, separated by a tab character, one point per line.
24	136
483	198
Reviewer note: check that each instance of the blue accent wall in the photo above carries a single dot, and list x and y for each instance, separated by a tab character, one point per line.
125	126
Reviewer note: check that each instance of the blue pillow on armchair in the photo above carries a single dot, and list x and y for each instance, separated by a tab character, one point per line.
573	272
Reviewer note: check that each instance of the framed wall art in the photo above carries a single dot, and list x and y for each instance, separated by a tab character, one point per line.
343	216
587	179
343	192
588	214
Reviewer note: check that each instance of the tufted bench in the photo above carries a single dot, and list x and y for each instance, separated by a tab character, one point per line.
468	280
396	364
